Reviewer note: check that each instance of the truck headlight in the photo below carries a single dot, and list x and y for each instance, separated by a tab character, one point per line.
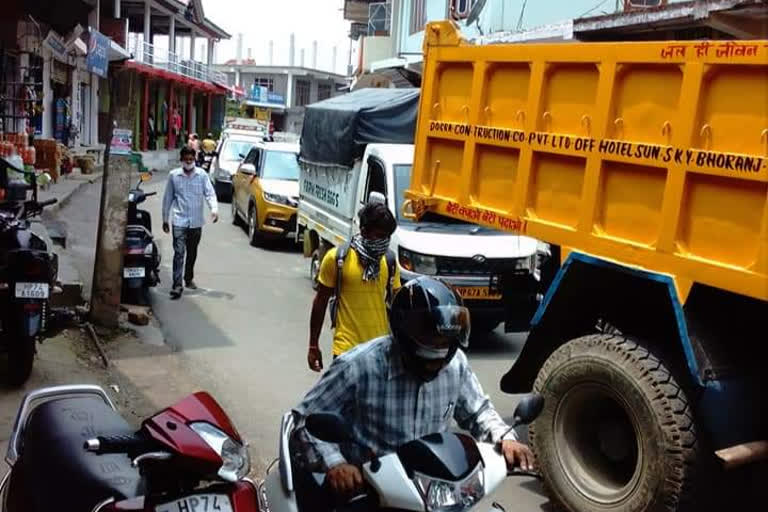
443	496
419	263
277	198
236	463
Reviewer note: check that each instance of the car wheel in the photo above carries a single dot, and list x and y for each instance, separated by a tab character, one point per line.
253	229
235	216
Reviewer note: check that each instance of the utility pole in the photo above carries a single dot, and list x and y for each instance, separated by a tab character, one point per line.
113	214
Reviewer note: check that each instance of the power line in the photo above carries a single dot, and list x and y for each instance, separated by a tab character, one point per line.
592	9
520	19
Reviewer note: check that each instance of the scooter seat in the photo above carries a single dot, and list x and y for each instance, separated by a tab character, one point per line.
59	473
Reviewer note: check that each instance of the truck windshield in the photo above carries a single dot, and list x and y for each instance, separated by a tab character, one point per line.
234	148
281	165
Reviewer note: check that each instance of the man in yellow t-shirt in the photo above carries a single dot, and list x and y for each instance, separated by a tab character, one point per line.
209	145
365	279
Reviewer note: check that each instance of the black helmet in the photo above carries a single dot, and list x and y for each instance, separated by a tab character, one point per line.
429	323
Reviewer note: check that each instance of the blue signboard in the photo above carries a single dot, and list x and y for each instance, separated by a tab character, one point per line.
274	97
98	46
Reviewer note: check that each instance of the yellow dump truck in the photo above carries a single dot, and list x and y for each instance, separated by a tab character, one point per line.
645	164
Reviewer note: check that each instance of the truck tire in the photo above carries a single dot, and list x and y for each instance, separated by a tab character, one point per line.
617	432
314	267
21	357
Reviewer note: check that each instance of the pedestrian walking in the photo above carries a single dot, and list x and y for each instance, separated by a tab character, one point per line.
361	276
187	189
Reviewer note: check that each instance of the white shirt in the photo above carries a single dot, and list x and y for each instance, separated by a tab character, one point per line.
185	195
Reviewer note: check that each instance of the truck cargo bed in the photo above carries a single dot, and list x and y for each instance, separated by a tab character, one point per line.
647	154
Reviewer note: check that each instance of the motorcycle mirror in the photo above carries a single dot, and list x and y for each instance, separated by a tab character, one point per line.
329	427
146	176
528	408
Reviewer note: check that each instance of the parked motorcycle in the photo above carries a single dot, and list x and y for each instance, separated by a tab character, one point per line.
70	451
442	471
27	273
141	258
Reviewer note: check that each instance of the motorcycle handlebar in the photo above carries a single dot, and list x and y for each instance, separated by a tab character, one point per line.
150	194
116	444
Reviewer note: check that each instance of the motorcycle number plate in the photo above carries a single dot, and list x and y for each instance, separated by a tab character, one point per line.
198	503
132	272
32	290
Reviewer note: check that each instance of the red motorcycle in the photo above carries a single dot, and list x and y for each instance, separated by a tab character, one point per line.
71	451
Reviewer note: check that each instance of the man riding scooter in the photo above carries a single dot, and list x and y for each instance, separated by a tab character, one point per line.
399	388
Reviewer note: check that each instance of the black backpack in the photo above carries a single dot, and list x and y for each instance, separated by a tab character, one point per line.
341	254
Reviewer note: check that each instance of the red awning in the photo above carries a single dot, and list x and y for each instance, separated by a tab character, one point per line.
164	74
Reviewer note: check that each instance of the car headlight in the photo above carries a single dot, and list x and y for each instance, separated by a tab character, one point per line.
443	496
277	198
236	463
419	263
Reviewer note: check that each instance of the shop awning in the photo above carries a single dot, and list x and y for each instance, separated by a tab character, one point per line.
116	52
180	80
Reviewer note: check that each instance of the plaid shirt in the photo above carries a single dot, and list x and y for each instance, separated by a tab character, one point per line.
186	194
388	407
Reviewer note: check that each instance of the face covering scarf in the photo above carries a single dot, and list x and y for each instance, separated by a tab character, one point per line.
188	167
370	252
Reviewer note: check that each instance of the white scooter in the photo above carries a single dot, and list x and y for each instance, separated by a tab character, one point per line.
439	472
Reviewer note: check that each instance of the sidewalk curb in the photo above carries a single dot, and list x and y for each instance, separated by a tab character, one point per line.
64	200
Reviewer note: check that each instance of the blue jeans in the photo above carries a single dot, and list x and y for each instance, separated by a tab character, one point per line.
185	241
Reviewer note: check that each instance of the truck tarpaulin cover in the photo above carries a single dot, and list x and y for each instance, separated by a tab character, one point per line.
336	130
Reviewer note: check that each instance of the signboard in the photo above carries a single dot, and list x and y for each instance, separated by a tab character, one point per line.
96	61
122	142
56	44
262	114
274	97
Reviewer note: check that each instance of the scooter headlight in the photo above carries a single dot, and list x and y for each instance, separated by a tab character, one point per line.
444	496
236	463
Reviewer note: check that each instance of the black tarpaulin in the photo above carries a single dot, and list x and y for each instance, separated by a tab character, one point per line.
336	130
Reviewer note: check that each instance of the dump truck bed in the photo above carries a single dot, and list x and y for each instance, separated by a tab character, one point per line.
647	154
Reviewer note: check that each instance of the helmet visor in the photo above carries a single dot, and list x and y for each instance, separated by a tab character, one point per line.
438	336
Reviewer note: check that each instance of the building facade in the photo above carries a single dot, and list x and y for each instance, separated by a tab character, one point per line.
279	93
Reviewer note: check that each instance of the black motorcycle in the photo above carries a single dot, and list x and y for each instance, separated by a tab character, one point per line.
141	259
28	272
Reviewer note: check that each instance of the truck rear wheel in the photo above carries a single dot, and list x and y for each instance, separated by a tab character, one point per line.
616	433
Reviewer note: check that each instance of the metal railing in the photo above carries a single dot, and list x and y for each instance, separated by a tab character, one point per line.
149	55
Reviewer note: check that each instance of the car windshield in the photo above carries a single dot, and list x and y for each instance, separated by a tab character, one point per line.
281	165
234	148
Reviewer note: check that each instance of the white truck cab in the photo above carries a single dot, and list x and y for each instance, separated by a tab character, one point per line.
496	273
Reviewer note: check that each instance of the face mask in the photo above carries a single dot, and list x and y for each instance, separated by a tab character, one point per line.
376	247
188	166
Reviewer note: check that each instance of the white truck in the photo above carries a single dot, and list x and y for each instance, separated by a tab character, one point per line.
498	274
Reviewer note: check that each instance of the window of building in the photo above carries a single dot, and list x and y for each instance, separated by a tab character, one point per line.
323	91
264	82
302	93
418	16
461	8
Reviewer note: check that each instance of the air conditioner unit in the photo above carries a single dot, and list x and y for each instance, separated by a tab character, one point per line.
634	5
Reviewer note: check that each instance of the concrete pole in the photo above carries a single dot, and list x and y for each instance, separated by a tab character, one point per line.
271	52
314	54
117	10
147	21
334	62
301	61
292	51
192	45
250	54
289	91
172	34
211	42
239	53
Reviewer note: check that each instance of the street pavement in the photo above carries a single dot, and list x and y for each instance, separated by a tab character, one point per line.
243	336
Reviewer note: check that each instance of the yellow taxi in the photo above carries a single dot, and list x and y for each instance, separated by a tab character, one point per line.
265	191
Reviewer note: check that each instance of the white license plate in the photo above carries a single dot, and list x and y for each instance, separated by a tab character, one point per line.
198	503
133	272
32	290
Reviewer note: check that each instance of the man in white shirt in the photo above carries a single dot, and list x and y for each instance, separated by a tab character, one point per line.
187	189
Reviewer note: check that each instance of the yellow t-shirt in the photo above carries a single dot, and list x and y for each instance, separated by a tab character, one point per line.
362	310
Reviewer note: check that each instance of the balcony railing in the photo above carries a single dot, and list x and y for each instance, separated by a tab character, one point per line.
150	55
